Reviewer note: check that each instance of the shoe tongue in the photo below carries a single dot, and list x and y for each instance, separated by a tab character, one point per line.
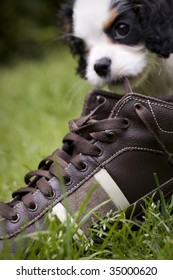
108	99
98	97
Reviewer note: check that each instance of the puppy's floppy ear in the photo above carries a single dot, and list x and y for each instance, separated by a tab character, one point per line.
77	46
65	20
65	17
156	20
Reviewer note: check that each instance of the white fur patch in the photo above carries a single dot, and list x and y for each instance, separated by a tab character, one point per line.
88	20
126	61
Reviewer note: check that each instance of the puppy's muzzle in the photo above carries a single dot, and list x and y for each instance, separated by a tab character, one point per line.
102	66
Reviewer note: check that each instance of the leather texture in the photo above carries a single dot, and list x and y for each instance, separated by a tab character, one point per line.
142	147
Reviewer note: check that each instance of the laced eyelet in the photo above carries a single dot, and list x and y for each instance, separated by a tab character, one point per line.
33	207
84	167
111	135
100	152
137	106
51	195
15	218
126	122
68	182
100	99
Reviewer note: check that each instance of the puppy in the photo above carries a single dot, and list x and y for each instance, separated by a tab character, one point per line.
113	39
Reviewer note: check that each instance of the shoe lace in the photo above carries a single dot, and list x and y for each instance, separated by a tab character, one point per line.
82	139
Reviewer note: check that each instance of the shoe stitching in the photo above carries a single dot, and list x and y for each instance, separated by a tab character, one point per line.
48	207
154	116
101	165
76	187
130	149
143	101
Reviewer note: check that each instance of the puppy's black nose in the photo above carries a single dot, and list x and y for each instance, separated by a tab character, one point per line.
102	66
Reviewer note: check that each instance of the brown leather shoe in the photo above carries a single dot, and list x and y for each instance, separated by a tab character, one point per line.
116	146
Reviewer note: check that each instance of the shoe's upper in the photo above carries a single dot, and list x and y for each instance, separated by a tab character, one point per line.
42	187
117	142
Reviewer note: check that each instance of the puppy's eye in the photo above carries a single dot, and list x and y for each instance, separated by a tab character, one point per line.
122	29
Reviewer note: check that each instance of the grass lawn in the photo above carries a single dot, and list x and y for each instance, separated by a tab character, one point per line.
38	98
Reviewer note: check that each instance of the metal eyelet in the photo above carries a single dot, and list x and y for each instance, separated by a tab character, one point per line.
126	122
100	152
15	218
111	135
100	99
33	207
137	106
84	167
69	182
51	195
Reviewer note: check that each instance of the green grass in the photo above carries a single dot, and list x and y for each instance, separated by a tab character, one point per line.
113	237
38	98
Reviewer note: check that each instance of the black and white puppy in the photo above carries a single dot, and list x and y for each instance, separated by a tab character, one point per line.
114	39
